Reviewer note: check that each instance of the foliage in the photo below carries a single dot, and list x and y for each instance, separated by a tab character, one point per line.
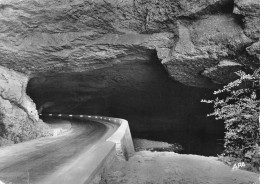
238	105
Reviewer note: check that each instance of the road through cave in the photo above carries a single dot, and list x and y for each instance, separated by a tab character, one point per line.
157	107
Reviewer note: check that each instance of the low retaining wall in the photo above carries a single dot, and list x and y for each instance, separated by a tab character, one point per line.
122	137
120	144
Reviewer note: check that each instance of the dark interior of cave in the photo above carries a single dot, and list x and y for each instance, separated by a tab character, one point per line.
157	107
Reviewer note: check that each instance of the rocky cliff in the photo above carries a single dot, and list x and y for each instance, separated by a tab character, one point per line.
195	40
19	120
199	43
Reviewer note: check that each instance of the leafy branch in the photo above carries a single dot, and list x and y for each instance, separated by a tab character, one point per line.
237	104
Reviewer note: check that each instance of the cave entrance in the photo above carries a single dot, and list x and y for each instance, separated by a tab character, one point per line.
156	107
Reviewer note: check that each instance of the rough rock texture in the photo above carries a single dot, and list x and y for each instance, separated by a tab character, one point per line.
223	72
254	50
203	44
250	11
19	119
74	36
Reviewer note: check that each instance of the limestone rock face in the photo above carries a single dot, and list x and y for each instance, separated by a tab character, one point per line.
225	67
250	11
254	50
203	44
19	119
49	36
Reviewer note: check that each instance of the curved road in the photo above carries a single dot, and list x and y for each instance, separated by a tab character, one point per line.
33	161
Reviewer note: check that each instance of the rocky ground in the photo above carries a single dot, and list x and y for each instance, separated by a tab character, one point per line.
171	168
144	144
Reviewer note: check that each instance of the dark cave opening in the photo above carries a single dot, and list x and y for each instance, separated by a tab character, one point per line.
157	107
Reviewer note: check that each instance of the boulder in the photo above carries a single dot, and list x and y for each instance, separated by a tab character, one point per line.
250	10
19	119
204	44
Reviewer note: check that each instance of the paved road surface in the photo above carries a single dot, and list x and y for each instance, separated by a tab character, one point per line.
33	161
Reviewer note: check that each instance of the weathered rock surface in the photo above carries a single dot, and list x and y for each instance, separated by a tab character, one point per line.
75	36
19	119
254	50
250	11
203	44
225	67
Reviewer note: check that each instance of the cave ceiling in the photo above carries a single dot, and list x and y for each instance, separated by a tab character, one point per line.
198	43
